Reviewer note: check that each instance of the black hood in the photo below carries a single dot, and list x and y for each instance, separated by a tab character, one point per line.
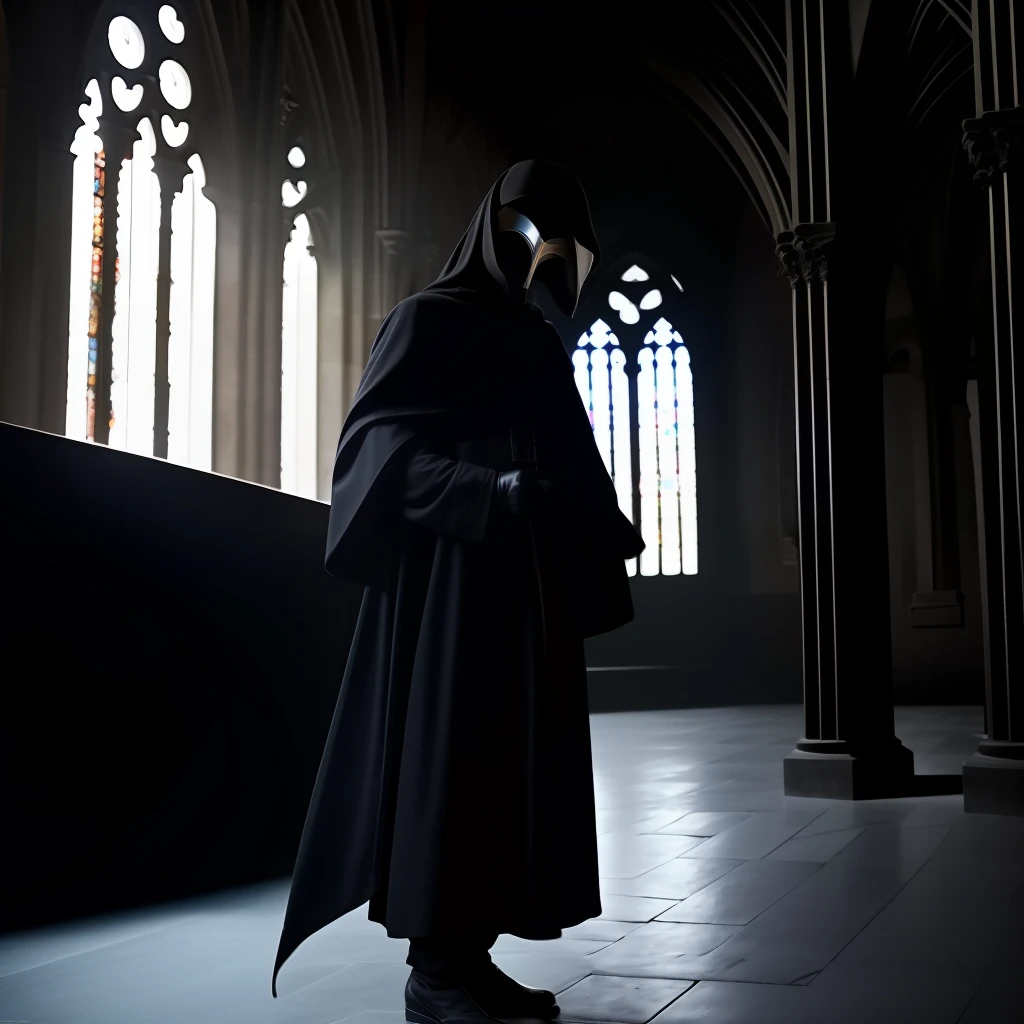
546	192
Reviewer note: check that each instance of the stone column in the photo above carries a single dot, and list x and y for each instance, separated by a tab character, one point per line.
118	140
247	355
394	243
170	172
849	749
994	777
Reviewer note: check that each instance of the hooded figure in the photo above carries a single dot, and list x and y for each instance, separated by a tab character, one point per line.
455	793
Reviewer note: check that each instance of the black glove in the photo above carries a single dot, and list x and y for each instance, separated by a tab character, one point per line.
523	492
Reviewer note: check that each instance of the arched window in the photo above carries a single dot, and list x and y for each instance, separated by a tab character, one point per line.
298	345
639	394
140	330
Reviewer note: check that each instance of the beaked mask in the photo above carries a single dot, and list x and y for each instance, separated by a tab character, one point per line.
524	255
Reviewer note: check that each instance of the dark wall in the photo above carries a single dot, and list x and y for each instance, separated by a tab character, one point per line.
731	633
172	653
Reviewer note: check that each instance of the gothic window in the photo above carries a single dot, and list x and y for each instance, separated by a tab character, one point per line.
639	394
143	239
298	344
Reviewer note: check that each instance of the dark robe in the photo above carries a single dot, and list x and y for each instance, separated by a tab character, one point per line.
455	792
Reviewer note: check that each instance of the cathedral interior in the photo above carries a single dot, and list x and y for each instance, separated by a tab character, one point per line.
808	744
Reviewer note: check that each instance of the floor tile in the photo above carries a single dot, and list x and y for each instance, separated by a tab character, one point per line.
742	894
998	1000
552	971
914	915
757	836
565	946
656	943
783	962
844	993
858	813
944	917
623	1000
703	823
817	849
624	855
599	928
638	909
675	880
723	1002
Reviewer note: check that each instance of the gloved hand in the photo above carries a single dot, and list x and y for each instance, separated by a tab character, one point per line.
522	492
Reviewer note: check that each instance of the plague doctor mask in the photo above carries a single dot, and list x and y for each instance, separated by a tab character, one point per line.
526	254
533	225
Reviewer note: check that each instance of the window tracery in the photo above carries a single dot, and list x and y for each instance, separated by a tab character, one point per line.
638	392
140	331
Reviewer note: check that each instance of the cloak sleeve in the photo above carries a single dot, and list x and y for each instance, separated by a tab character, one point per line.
447	496
409	388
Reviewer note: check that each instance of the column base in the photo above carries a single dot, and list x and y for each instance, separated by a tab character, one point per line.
831	771
994	785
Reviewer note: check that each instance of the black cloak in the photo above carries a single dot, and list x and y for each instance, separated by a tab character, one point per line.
455	791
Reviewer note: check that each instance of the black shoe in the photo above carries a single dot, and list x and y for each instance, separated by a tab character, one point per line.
501	996
441	1003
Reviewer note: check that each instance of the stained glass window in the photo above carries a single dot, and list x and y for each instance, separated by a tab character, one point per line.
668	481
88	188
299	364
662	473
600	371
132	240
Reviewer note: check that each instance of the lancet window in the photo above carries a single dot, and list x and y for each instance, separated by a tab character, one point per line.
637	385
143	243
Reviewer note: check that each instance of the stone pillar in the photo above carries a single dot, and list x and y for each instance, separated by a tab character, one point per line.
849	749
393	289
170	172
118	140
994	777
247	324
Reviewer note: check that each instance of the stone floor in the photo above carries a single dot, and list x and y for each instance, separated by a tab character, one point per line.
725	902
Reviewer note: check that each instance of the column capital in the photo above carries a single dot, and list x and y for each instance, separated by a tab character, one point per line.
991	139
804	252
170	170
118	137
392	240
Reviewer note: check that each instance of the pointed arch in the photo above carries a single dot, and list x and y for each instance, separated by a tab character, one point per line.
143	236
633	372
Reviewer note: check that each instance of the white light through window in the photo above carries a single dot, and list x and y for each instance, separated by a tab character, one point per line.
175	84
86	231
668	479
635	273
124	248
628	313
126	43
190	350
169	24
133	357
299	364
292	194
174	134
665	480
127	99
600	371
